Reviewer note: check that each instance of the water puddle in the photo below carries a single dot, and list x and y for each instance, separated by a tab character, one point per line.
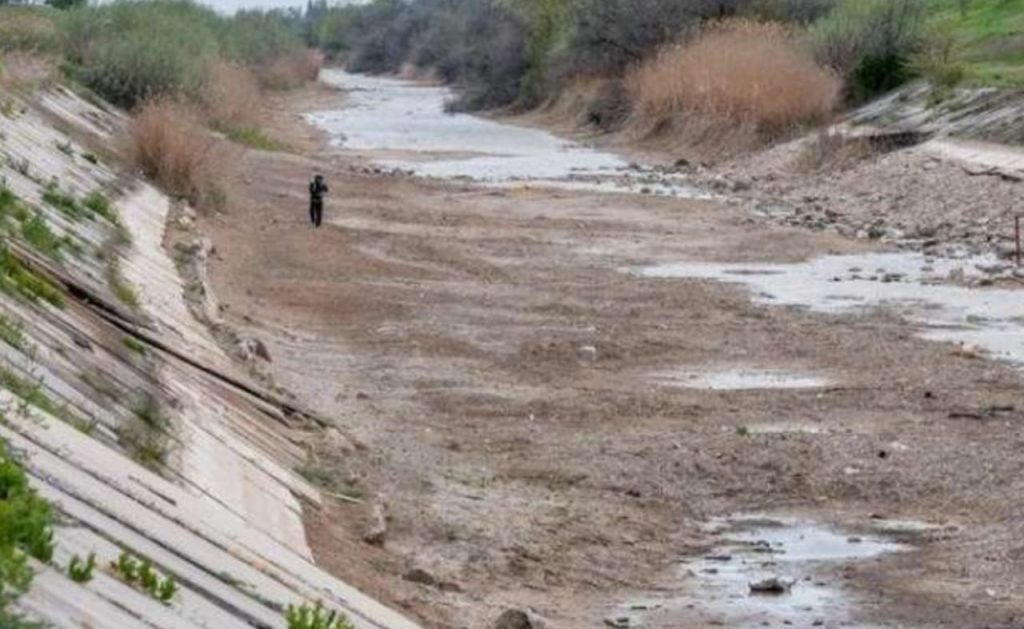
739	380
907	283
405	124
788	557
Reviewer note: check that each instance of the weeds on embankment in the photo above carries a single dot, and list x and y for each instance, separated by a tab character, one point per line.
26	530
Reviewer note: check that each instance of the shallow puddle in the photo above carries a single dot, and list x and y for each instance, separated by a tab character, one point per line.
907	283
717	587
739	379
392	117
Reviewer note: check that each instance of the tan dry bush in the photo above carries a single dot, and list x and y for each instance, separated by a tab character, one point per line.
231	95
292	70
750	73
20	70
168	144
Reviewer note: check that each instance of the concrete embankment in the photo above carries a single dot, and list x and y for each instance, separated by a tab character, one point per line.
128	415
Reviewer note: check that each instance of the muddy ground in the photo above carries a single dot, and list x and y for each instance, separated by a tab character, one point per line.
495	373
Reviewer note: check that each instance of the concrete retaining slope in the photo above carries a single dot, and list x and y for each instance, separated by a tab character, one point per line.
141	431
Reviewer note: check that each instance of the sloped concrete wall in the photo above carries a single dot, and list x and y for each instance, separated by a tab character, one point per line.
208	492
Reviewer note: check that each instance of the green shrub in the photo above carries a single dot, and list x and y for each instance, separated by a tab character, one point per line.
133	50
81	571
870	42
26	530
38	234
98	203
316	617
141	574
16	279
250	136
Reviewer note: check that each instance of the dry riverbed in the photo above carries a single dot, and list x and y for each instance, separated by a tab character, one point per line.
544	424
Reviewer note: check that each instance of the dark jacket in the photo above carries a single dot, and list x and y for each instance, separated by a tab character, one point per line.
317	189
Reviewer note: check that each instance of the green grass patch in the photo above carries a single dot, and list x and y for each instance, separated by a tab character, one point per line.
13	333
307	616
99	204
989	36
134	345
26	530
124	291
250	136
17	279
37	233
141	574
32	394
63	201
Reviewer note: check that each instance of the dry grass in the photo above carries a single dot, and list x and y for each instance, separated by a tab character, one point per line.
231	94
20	70
738	73
291	71
168	144
26	28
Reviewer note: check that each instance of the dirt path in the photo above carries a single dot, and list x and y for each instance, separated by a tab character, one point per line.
514	401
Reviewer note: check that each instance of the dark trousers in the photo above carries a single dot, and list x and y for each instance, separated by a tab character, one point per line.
316	211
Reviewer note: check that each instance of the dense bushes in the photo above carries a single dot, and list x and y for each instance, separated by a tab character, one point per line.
870	42
132	50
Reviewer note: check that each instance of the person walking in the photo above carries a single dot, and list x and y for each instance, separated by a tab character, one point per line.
317	190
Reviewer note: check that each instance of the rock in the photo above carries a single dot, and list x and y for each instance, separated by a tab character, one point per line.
771	585
254	348
421	576
587	353
81	341
620	622
513	619
449	586
377	528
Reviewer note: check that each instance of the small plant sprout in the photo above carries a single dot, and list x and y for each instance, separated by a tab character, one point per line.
167	589
316	617
148	578
142	575
81	571
126	567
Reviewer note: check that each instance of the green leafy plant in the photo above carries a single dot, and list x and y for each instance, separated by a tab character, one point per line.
98	203
316	617
16	279
167	589
26	530
141	574
148	578
81	571
126	567
38	234
134	345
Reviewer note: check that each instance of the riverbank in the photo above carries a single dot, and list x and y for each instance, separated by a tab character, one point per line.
549	433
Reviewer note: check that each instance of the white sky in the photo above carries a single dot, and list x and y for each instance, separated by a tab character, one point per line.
230	6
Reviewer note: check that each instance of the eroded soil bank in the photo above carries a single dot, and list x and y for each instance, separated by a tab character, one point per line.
502	377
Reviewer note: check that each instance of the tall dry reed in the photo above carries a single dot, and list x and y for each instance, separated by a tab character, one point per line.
747	73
